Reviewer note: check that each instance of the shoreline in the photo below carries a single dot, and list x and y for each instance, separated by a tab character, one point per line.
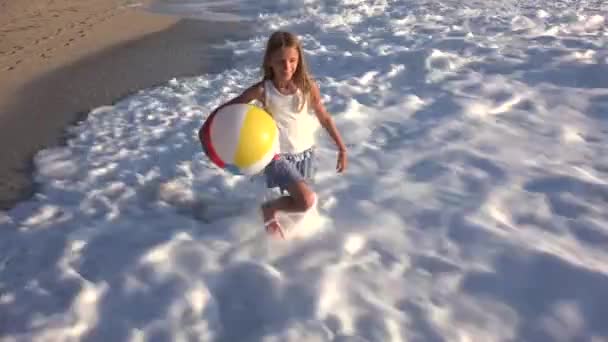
131	50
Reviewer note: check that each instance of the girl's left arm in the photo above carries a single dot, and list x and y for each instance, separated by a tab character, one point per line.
328	123
324	118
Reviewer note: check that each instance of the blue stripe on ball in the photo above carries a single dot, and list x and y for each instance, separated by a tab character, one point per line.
233	169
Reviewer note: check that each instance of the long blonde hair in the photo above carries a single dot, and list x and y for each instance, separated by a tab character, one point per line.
301	77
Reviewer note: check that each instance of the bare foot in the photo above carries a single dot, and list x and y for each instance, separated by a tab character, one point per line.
270	222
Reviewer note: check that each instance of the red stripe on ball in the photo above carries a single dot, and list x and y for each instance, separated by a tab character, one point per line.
205	138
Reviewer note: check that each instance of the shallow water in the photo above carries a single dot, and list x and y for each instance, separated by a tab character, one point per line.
473	207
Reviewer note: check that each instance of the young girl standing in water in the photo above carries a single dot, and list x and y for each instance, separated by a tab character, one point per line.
287	92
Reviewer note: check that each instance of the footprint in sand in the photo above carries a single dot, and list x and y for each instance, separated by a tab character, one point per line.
38	41
12	67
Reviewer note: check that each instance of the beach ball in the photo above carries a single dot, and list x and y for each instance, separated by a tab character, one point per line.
240	138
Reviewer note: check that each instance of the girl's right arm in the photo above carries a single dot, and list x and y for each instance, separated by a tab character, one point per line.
255	92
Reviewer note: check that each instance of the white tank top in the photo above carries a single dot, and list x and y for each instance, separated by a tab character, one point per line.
297	129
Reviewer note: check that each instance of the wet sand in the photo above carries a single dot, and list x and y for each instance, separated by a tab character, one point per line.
61	58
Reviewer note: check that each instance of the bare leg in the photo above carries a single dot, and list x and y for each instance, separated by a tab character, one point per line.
300	199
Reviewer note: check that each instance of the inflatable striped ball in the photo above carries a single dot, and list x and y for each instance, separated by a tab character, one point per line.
240	138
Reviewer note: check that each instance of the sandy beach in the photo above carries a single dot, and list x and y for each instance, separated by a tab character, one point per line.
61	58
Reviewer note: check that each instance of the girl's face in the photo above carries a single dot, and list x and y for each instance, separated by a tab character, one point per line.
284	63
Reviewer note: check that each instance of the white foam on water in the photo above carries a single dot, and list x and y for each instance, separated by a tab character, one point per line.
473	207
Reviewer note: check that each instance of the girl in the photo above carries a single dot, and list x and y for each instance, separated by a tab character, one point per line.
287	91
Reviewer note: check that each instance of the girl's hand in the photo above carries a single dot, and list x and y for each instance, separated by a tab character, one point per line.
342	161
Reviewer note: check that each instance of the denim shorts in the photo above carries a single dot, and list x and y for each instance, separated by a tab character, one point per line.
290	168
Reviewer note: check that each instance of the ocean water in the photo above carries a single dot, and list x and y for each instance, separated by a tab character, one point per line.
473	207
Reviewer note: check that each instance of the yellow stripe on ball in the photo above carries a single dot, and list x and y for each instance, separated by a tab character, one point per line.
257	127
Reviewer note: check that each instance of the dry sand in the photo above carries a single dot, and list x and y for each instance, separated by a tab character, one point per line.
61	58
